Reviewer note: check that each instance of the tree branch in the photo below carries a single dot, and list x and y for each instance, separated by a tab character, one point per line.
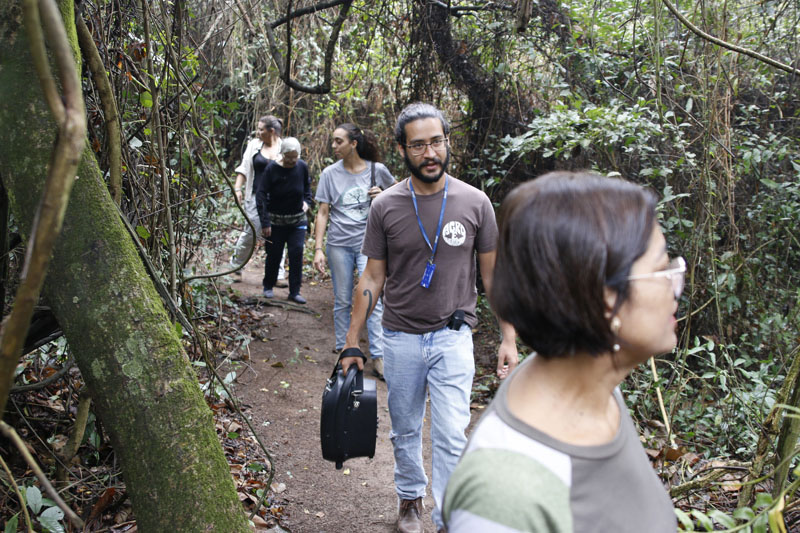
729	46
11	435
107	100
19	495
71	118
310	10
283	67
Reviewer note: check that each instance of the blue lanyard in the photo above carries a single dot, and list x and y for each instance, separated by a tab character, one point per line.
441	217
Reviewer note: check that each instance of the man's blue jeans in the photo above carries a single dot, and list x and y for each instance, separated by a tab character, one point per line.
343	260
440	363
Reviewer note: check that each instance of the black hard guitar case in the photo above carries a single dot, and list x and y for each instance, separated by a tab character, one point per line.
349	415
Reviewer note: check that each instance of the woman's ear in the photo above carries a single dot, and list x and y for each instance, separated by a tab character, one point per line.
610	297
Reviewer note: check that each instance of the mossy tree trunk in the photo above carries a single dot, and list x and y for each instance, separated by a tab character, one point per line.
139	377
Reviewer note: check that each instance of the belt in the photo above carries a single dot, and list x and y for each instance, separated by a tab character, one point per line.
287	220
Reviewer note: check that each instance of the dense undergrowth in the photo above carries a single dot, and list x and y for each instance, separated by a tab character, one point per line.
621	88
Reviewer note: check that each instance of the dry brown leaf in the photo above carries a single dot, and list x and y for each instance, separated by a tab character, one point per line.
259	522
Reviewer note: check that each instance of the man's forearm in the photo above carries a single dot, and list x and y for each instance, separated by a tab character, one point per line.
367	293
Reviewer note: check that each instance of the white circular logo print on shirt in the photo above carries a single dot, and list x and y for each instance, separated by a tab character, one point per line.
454	233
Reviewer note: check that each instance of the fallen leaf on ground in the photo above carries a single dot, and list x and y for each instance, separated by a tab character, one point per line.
259	522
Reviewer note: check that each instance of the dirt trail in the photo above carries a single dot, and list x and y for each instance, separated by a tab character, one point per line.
283	390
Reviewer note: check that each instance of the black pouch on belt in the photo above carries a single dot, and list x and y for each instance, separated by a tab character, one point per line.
457	320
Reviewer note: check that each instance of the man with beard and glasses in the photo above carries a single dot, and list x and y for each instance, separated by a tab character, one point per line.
421	239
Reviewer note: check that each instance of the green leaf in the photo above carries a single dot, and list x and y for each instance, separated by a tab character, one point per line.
255	467
11	524
722	518
763	500
51	519
146	99
233	435
744	513
685	520
770	183
703	520
142	232
34	497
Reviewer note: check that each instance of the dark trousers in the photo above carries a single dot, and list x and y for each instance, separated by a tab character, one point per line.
293	238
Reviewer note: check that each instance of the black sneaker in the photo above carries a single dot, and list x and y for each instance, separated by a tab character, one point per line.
296	298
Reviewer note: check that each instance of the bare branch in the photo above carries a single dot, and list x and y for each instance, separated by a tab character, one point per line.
729	46
107	100
284	67
11	435
306	11
60	178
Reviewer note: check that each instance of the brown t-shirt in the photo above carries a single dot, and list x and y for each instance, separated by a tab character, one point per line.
393	235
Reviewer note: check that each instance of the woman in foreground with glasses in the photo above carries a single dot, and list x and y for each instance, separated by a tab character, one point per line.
583	275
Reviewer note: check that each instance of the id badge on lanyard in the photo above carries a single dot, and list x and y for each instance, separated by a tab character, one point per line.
430	266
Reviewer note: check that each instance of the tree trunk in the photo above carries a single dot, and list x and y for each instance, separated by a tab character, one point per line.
142	385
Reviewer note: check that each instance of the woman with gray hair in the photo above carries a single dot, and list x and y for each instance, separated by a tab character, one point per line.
283	195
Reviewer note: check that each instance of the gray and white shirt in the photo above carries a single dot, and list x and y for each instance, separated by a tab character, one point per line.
349	201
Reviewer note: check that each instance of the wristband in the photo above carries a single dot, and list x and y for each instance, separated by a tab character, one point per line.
315	249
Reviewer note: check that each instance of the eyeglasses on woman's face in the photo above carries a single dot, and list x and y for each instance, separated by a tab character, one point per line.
419	148
675	272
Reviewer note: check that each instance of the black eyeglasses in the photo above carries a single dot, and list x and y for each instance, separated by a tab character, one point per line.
418	148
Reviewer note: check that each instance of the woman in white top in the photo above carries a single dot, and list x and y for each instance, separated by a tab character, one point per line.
262	149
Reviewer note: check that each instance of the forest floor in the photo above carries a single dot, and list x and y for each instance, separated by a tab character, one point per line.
280	389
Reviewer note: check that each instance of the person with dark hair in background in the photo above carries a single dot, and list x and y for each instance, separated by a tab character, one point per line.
345	191
283	195
584	276
262	149
421	241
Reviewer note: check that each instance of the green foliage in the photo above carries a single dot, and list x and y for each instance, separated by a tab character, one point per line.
611	135
622	88
45	510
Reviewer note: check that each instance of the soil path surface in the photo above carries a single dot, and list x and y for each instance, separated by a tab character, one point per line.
290	359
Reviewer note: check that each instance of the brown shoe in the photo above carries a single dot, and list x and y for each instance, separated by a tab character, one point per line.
409	516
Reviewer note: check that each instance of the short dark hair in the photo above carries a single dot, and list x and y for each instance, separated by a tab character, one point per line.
417	111
564	237
271	122
366	143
